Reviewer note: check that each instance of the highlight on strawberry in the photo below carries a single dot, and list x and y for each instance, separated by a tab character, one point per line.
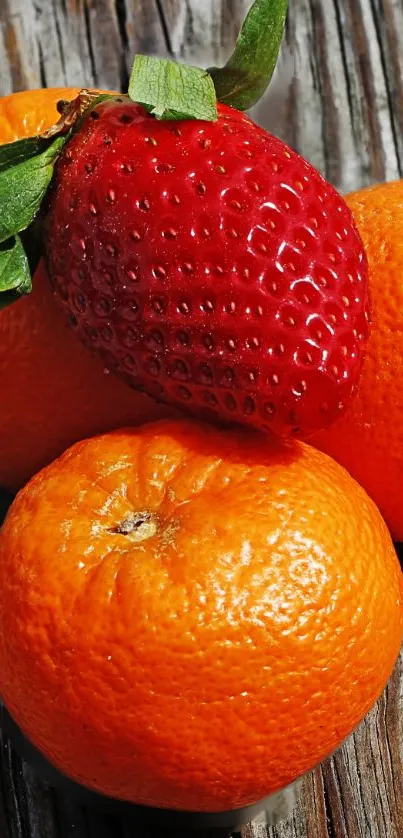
207	263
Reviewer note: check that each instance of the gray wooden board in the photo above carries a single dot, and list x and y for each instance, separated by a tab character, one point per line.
337	97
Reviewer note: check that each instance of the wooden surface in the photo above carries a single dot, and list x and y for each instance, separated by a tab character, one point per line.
338	99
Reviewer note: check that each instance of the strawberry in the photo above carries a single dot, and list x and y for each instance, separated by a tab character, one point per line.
207	263
210	266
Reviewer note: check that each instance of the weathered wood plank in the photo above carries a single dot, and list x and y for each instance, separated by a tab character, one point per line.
144	27
21	45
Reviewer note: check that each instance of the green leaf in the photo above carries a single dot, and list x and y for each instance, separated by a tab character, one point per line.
172	91
23	186
15	276
13	153
245	77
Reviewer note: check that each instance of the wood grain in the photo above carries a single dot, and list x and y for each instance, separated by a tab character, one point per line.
337	97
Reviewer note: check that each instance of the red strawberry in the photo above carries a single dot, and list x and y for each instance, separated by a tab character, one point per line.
207	263
210	266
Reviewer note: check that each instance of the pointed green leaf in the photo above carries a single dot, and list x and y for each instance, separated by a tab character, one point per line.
13	153
245	77
172	91
15	276
23	187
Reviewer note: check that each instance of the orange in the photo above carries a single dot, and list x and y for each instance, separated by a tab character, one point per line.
368	440
30	112
53	392
191	618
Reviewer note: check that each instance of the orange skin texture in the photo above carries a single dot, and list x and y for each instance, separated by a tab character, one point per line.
53	391
224	655
368	440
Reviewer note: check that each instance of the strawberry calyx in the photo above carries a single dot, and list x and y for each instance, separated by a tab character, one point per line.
167	90
26	170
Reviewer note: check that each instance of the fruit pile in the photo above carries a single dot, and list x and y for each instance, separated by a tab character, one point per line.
195	612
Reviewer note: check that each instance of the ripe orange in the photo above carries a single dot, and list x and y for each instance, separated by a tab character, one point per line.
192	618
30	112
52	391
368	440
